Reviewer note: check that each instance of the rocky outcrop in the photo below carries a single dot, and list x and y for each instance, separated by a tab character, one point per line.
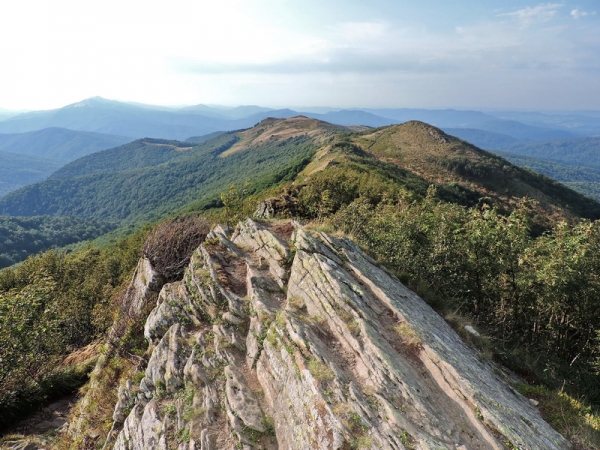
281	338
143	289
286	205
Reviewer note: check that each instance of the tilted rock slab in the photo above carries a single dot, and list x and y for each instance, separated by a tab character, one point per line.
277	338
145	285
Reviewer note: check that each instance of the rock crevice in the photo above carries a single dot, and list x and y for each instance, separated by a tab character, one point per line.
281	338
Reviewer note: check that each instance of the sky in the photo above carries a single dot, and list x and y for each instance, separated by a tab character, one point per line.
478	54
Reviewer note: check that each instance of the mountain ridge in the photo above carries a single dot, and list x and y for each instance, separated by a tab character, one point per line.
139	120
460	169
305	317
59	144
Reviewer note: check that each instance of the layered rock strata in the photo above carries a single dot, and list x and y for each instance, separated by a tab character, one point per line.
281	338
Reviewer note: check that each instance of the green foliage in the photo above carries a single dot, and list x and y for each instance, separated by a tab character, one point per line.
571	151
24	236
407	440
587	188
327	191
560	171
497	175
193	178
534	296
18	170
320	370
572	418
233	201
577	176
134	155
573	162
51	305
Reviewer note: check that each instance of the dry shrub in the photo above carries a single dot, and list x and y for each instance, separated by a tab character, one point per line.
170	245
409	336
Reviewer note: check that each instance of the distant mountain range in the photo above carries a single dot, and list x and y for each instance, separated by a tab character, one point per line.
27	158
138	121
35	144
59	144
147	178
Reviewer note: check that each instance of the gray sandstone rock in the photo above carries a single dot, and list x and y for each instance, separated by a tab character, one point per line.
241	400
262	347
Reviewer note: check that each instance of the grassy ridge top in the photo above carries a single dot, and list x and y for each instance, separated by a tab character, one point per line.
146	180
448	161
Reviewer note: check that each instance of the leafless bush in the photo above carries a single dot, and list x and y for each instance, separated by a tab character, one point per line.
171	244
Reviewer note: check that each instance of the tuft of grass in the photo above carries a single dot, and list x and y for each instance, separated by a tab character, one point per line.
342	409
317	320
354	327
407	440
296	302
280	319
572	418
269	424
407	334
320	370
361	442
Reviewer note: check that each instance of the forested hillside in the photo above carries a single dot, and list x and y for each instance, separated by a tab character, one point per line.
131	189
513	253
21	237
26	158
135	155
458	166
19	170
574	162
581	151
59	144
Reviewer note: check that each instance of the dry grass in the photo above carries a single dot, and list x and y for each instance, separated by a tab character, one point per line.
170	245
319	370
296	302
574	419
409	337
276	130
342	409
83	355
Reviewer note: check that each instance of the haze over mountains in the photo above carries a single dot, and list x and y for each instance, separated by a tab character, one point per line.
136	120
35	144
29	157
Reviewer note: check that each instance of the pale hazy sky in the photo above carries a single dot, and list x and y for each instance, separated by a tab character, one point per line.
340	53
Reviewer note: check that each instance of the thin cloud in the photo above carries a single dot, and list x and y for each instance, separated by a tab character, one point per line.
378	47
338	61
577	13
361	31
530	15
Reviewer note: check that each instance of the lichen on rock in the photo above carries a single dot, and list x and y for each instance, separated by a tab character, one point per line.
277	337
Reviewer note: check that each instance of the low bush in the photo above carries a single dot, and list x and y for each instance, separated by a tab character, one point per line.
170	245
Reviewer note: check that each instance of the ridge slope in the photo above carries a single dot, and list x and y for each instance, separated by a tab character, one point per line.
278	338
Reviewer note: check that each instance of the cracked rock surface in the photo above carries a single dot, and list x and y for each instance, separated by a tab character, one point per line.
281	338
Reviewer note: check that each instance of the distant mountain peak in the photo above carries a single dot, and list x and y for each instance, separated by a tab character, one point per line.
90	102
